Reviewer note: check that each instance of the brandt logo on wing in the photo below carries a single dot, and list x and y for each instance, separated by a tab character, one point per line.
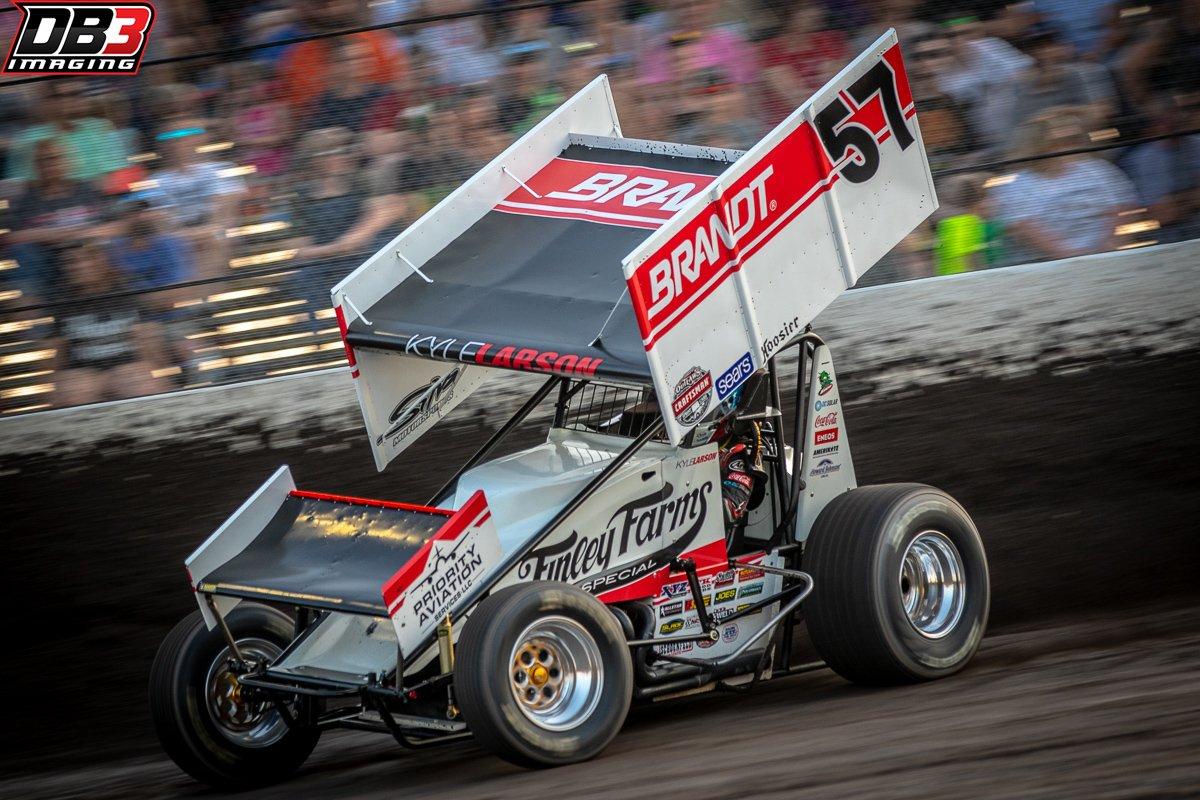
635	527
611	194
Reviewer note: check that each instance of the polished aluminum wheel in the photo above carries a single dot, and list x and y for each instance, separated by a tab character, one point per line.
556	673
932	584
241	719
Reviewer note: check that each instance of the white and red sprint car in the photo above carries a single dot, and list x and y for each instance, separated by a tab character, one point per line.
538	594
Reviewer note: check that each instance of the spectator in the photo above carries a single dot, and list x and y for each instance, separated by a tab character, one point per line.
945	127
91	146
799	59
529	96
105	348
482	135
1167	172
1056	80
716	115
148	256
458	48
304	68
1060	207
53	211
967	237
259	121
351	98
198	195
982	75
334	210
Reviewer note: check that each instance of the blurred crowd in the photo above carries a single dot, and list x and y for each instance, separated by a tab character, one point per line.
310	155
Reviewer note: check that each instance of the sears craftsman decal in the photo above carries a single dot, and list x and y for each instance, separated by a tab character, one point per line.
57	38
632	531
419	404
611	194
735	376
693	393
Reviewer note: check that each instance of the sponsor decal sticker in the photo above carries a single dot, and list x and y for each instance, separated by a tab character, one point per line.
705	643
487	354
824	467
673	648
723	578
822	404
826	420
90	38
750	590
690	605
826	451
825	436
635	529
674	626
684	463
826	383
734	376
675	589
611	194
789	329
693	392
747	574
726	595
418	405
670	609
729	633
744	606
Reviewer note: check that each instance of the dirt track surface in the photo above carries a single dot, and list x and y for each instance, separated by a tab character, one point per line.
1089	708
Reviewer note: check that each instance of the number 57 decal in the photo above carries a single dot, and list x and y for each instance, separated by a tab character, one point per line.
840	135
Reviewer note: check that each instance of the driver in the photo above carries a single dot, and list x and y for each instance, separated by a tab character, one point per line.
743	479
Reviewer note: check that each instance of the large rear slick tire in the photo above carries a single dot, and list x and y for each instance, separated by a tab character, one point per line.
216	732
901	590
543	675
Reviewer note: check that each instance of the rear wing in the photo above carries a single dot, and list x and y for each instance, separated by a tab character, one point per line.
746	265
402	395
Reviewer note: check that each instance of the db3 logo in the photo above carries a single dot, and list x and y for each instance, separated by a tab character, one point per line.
79	38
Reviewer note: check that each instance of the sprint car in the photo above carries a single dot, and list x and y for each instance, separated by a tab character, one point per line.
539	593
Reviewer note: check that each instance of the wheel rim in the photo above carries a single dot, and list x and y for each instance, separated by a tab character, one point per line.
556	673
933	584
242	719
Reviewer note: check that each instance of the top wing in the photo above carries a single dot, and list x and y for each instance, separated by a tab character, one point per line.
747	264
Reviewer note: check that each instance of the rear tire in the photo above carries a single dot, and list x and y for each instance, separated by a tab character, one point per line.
199	713
901	589
543	674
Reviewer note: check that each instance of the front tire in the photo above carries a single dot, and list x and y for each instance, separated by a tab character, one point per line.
205	723
901	588
543	674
